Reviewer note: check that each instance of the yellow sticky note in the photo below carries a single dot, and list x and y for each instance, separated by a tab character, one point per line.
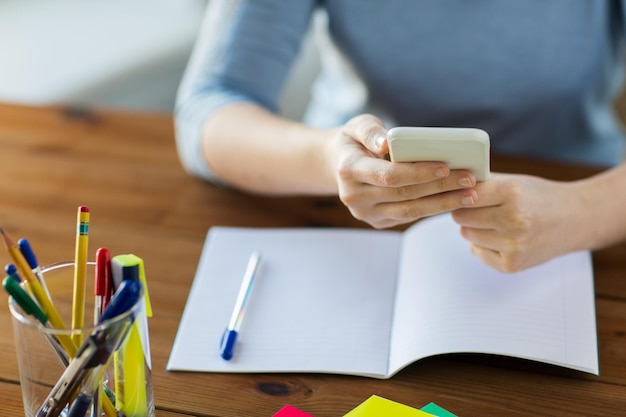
376	406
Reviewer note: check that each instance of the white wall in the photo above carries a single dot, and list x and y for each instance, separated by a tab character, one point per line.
128	53
116	53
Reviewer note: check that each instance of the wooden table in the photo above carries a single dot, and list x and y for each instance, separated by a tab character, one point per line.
125	168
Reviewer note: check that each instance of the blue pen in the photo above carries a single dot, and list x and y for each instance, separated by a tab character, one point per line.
229	338
31	259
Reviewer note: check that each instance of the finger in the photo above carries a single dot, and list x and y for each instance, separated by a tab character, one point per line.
359	194
455	181
490	206
501	261
382	173
488	256
494	191
478	217
392	214
485	238
370	131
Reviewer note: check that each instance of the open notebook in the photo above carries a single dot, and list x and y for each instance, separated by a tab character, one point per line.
370	302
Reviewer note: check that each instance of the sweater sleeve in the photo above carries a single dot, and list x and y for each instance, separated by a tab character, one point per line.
243	53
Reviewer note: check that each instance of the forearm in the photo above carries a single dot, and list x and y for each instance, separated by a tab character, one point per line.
601	217
251	149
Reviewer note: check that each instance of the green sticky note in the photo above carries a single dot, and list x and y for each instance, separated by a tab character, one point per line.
376	406
435	410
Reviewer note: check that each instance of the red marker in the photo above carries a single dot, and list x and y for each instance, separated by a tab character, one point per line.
103	281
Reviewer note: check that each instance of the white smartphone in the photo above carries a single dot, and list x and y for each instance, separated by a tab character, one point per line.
459	148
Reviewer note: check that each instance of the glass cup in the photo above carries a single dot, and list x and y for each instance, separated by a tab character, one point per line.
109	363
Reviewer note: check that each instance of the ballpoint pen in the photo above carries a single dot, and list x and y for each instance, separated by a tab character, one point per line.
92	354
229	338
30	257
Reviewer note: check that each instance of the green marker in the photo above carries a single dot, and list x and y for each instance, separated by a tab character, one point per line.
21	297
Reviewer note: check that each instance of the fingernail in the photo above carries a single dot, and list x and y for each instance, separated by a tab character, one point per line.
440	173
467	200
379	141
465	182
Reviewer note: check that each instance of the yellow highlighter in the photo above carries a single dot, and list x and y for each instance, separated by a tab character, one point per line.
132	359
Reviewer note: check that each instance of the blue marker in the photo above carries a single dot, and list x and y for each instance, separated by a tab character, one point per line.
126	296
229	338
11	271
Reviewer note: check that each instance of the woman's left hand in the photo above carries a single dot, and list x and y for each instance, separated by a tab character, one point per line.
520	221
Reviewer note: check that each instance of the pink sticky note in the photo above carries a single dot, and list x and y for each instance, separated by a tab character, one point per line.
289	411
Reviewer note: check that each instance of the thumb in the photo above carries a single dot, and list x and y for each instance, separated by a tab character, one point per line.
371	132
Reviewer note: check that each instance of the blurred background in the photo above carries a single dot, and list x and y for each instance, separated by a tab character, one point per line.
132	54
117	53
113	53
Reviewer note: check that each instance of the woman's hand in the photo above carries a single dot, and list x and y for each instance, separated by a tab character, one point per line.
386	194
520	221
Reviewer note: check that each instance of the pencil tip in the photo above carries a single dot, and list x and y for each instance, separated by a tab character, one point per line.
5	238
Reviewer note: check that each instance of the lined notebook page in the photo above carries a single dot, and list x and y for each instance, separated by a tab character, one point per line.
448	301
322	302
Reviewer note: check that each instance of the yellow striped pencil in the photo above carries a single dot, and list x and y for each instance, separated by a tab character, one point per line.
80	267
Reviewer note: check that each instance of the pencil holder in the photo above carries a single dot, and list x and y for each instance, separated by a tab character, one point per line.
106	362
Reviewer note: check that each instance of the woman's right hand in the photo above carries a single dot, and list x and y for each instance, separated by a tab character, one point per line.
386	194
